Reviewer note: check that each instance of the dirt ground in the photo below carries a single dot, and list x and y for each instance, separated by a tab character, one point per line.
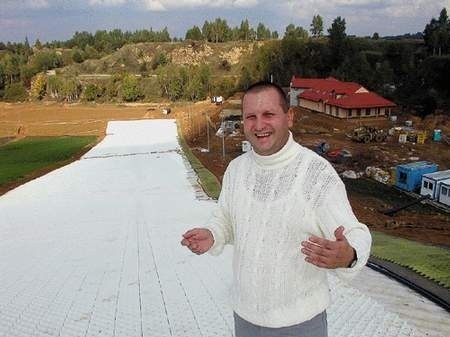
431	226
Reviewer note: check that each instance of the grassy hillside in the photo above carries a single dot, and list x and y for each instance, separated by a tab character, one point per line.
143	58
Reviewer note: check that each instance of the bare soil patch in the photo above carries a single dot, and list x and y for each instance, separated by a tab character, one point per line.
430	225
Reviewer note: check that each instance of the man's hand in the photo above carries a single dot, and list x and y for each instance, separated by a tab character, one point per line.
329	254
198	240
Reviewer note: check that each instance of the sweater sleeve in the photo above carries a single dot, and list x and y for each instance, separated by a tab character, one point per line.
333	211
220	223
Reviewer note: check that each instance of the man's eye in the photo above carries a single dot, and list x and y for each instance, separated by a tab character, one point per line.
250	117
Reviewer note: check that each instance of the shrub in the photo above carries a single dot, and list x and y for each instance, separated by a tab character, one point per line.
130	88
92	92
15	92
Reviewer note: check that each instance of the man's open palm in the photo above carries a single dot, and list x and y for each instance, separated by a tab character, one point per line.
329	254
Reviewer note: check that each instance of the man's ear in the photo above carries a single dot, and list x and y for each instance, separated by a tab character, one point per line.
290	118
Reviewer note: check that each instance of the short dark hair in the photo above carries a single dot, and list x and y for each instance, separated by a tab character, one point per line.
262	85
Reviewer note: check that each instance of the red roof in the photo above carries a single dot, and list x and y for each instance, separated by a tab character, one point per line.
325	90
325	84
315	96
361	100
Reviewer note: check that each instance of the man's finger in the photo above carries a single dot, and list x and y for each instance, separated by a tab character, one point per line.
321	242
311	249
339	233
185	242
189	233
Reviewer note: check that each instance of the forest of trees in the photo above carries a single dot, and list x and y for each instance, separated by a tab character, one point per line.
413	70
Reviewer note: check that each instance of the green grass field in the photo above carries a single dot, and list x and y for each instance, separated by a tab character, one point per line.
429	261
23	157
208	181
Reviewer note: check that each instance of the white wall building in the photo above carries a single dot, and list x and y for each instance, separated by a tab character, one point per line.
444	192
431	183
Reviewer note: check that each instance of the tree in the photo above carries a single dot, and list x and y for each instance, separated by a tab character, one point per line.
262	33
198	84
206	31
220	31
337	37
245	79
26	74
11	67
2	79
316	26
77	56
38	44
171	80
244	30
130	88
194	34
163	36
375	36
45	60
160	59
437	34
293	32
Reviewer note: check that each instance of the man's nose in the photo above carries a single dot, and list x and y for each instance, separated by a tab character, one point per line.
259	123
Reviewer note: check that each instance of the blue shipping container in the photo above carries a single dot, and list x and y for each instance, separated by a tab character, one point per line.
409	176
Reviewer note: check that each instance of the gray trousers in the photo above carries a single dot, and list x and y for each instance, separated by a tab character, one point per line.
315	327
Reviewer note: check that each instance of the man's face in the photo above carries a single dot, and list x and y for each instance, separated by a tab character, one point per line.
266	125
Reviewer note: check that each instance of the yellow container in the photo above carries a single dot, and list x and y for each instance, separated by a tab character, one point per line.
421	137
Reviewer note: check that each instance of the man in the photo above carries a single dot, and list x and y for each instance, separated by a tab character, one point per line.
285	210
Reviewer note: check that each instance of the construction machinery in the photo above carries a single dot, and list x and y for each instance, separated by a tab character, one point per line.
366	134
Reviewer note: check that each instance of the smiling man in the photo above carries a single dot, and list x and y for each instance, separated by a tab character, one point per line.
286	212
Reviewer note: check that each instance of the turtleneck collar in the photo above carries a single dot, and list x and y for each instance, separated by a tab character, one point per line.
283	156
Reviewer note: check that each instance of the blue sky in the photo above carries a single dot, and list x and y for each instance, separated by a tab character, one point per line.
59	19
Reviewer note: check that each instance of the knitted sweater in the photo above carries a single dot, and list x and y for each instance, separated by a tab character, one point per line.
269	205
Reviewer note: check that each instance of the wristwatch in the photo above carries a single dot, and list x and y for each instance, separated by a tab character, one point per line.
355	259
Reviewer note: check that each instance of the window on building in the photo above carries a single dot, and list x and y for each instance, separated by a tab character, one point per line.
444	190
367	112
425	184
358	112
430	185
350	112
402	177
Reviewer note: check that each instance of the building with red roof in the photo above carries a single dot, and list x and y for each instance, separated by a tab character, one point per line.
337	98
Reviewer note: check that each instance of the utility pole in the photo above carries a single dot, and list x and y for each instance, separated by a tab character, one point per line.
207	129
223	140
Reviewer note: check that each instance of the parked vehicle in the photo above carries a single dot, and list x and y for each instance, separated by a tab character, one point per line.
338	155
366	134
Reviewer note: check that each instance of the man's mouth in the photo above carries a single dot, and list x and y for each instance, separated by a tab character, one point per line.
262	134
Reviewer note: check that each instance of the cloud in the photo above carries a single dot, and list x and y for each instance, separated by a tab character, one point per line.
107	2
163	5
358	10
34	4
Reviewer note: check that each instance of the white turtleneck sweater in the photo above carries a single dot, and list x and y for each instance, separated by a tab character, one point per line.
269	205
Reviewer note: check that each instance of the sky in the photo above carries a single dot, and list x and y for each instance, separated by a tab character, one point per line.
49	20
